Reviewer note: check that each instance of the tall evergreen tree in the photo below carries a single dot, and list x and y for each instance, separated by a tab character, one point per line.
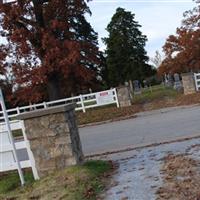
126	56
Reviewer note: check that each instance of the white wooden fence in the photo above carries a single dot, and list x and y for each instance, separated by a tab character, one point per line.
8	1
7	161
83	102
197	81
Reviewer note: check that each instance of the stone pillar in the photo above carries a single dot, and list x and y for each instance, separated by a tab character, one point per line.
188	83
54	138
124	96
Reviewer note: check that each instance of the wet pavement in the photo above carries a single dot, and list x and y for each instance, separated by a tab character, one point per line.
138	176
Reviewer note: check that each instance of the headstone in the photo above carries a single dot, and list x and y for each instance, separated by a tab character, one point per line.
177	82
137	89
145	84
170	80
126	83
176	77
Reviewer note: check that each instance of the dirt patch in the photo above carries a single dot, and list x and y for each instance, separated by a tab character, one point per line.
181	178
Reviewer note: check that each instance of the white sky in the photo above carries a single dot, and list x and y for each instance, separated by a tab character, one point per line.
159	18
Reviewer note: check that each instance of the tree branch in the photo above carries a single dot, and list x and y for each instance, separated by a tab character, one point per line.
39	11
26	21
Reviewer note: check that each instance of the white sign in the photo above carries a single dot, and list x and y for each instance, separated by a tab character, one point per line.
105	97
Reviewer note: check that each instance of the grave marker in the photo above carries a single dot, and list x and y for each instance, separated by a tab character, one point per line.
177	82
137	89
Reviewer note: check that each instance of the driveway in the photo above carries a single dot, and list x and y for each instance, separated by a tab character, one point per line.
148	128
140	173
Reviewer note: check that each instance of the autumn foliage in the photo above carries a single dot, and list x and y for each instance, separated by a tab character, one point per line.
182	50
50	48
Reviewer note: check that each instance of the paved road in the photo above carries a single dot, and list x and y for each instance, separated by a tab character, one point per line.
170	124
147	128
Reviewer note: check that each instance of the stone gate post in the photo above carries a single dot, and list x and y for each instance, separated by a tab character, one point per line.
54	138
188	83
124	96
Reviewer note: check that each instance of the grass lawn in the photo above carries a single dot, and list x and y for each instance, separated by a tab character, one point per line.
11	181
74	183
155	93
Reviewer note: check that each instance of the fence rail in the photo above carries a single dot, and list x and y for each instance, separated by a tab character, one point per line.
83	102
7	163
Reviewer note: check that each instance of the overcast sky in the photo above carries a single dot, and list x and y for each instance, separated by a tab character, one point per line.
159	18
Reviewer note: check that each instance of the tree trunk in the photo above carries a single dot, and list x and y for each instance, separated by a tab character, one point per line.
53	88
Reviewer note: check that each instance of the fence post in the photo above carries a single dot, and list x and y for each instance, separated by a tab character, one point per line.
82	103
45	105
30	154
18	111
116	97
195	80
11	138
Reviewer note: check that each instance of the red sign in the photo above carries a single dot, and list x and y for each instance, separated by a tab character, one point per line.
103	93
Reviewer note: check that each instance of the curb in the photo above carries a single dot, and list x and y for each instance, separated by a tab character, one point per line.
164	110
141	147
108	121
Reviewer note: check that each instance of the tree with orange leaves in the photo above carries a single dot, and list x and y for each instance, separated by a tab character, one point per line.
50	48
183	49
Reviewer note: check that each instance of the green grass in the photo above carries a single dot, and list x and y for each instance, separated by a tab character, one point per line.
155	93
17	133
11	181
74	183
90	103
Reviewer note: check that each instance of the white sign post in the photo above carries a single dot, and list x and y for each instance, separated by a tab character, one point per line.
11	137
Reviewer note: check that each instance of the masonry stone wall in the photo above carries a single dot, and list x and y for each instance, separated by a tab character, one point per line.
124	96
188	83
54	138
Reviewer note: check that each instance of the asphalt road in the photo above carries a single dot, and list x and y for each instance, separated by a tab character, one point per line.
147	128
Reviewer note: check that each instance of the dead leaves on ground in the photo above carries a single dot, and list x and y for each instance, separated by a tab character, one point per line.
181	178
